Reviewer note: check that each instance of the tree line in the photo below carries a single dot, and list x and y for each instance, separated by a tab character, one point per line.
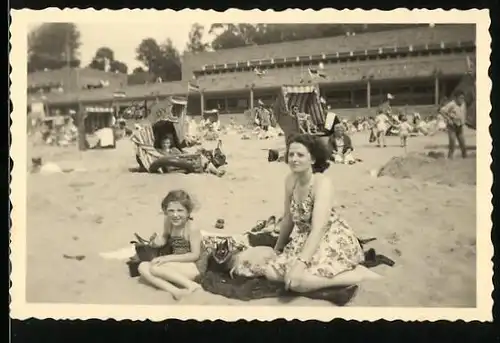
56	45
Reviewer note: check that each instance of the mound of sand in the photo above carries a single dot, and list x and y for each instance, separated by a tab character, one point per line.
432	167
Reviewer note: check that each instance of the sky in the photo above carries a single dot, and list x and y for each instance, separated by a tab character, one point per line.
123	38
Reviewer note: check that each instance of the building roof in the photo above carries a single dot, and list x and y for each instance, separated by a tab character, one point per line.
51	77
339	73
404	37
336	73
106	94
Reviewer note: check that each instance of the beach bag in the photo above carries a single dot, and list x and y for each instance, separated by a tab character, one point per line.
219	158
146	250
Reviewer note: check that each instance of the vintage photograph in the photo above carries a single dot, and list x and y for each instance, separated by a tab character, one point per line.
278	163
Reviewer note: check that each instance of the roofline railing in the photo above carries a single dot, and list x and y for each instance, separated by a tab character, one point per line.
338	56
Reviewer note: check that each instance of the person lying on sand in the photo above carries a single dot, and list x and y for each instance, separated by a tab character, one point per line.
209	167
323	251
342	146
184	240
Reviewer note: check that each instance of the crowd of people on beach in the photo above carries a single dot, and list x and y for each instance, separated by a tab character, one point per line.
315	249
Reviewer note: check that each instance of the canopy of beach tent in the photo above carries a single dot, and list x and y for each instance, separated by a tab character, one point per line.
306	98
172	110
212	115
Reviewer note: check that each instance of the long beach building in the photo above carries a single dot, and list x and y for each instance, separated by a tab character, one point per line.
418	65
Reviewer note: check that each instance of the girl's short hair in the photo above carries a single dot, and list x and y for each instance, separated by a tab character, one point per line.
179	196
315	147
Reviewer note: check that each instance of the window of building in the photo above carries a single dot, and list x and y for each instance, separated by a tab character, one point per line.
237	104
339	98
212	104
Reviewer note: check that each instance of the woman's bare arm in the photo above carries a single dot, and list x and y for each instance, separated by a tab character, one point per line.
320	216
286	224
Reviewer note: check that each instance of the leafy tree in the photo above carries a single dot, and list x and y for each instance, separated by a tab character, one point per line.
53	46
99	61
118	66
237	35
149	53
161	60
195	43
138	70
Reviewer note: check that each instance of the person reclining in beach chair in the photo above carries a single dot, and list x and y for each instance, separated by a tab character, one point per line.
304	121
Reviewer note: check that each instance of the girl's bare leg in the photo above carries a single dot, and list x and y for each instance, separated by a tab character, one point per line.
310	282
145	272
180	275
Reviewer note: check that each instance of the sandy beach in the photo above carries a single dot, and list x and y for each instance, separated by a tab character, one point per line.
424	220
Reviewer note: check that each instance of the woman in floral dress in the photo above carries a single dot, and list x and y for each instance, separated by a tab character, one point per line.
316	248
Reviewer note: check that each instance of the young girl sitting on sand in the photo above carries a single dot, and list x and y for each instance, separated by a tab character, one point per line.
176	271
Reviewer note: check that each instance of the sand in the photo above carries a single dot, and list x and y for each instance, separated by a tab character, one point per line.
425	225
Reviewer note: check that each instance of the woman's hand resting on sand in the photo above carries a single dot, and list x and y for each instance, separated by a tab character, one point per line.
293	277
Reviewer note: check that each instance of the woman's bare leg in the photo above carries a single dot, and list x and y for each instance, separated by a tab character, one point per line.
145	272
311	282
272	274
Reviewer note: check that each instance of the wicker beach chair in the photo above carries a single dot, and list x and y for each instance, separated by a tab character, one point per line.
152	160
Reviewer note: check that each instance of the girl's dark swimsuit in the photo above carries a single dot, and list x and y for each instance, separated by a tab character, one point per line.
178	245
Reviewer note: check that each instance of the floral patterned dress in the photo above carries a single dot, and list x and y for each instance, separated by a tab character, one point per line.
338	251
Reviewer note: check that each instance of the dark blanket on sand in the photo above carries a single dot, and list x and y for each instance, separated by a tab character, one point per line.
242	288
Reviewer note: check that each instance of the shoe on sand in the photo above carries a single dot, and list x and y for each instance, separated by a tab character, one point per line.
219	224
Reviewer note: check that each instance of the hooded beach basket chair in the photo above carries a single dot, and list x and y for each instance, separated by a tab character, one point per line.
307	99
212	115
167	117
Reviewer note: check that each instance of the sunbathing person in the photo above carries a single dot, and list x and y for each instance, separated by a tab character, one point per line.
167	146
342	146
323	251
208	165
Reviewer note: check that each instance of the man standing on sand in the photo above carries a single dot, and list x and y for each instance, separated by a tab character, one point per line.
454	113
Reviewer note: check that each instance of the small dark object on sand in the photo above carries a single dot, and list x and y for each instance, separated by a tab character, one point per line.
273	155
436	154
74	257
219	224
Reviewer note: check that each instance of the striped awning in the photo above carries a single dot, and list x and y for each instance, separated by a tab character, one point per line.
163	110
306	98
299	89
99	109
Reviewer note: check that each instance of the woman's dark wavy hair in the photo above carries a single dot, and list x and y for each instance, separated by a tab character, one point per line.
315	147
